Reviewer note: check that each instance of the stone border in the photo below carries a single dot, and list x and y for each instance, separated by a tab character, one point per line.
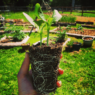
12	44
71	34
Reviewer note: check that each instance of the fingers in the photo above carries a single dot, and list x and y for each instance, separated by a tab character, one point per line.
58	83
24	70
60	72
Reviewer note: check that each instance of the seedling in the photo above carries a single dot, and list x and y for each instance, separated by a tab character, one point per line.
70	43
18	36
61	36
38	13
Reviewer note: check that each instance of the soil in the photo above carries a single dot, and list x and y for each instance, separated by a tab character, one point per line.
88	38
22	23
44	61
90	32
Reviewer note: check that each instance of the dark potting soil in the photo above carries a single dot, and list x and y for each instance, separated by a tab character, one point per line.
44	61
88	38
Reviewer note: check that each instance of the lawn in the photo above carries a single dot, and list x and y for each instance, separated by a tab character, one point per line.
79	67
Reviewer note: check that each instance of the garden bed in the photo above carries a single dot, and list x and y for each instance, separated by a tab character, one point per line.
77	33
8	42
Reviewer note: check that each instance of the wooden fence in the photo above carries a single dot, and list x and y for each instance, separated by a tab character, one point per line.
63	9
81	10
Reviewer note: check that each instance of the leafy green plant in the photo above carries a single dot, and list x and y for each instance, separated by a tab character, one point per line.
61	36
18	36
13	28
79	27
68	19
70	43
38	13
68	27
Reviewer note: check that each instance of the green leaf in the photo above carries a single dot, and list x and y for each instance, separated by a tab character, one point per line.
50	20
56	16
38	12
31	20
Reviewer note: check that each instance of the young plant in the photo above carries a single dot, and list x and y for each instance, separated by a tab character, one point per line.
68	28
61	36
70	43
18	36
38	13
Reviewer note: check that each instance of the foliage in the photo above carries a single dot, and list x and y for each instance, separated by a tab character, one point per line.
70	43
68	27
38	13
18	36
68	19
61	36
79	27
13	28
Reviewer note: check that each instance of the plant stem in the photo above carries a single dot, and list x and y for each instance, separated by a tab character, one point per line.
40	39
48	28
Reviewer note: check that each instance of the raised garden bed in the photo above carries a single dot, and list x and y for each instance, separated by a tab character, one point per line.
88	26
63	24
8	42
77	33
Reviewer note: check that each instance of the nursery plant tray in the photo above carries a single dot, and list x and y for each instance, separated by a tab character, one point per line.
11	43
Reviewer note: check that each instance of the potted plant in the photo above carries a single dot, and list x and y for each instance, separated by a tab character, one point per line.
44	58
87	40
76	46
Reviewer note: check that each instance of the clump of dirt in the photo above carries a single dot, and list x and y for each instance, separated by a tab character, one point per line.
44	61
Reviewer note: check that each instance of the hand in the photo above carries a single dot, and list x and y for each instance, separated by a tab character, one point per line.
25	84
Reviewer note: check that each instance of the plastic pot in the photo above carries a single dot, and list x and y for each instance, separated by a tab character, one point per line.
87	40
76	46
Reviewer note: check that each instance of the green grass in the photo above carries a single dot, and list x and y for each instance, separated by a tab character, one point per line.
80	14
